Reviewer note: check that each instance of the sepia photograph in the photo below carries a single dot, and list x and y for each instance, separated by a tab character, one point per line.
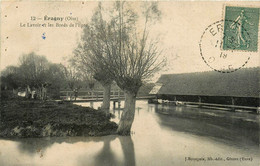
129	83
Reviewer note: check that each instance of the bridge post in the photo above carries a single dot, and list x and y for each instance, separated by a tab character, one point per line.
119	98
119	103
114	104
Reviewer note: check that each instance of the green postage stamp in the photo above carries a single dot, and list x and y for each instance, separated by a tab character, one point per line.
241	28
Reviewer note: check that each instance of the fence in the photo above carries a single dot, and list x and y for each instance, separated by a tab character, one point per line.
98	94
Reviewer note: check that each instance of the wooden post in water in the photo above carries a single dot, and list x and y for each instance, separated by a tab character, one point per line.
114	104
119	98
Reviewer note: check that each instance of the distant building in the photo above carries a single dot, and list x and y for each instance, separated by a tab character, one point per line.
237	88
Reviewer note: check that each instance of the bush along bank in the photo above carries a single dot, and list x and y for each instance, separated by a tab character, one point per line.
32	118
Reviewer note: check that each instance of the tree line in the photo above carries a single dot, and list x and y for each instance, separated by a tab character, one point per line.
36	72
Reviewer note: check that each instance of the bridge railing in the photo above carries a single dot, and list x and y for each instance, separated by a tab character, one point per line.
91	94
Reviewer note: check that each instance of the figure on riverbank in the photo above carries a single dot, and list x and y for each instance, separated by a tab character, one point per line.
44	91
28	92
75	93
34	94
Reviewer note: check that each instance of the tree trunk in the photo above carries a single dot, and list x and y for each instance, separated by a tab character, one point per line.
128	114
106	98
128	150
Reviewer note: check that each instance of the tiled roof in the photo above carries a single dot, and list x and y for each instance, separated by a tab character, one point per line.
241	83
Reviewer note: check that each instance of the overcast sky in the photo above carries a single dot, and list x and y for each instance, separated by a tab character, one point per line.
180	30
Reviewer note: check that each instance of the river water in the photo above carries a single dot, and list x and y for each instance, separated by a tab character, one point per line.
161	135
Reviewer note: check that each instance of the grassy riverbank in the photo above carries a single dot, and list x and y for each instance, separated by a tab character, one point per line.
33	118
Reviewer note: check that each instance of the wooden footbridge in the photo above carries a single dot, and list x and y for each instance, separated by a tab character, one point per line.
88	96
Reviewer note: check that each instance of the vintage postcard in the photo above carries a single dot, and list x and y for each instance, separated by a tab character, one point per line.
129	83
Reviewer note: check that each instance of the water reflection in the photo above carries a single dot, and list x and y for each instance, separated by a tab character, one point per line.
138	110
118	110
150	107
105	156
128	150
98	151
240	129
162	135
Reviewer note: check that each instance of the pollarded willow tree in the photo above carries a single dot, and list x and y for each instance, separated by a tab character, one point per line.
90	49
117	47
136	58
130	57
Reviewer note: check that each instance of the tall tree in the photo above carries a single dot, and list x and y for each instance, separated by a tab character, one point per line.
33	72
118	48
127	53
56	79
136	58
33	69
90	49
